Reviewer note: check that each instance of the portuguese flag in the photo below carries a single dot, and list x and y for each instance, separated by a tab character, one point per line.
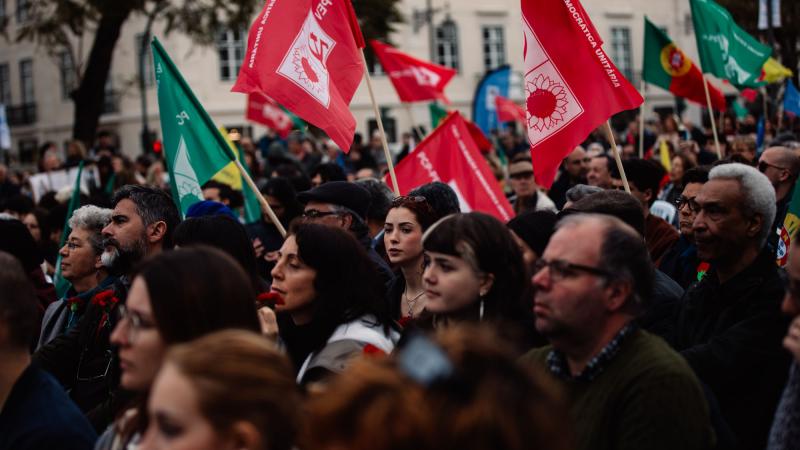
666	66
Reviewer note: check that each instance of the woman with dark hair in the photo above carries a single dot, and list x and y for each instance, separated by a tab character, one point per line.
282	198
226	234
681	162
331	301
176	297
230	389
407	220
474	272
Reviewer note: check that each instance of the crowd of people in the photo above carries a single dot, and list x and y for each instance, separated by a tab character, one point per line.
662	318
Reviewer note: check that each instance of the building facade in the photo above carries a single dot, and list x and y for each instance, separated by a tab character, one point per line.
472	36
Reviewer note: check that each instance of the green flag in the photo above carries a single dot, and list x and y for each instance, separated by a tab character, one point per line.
726	50
61	284
437	114
194	150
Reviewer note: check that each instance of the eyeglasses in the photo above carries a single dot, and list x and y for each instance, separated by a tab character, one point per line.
682	201
316	214
763	166
405	199
560	269
520	175
135	322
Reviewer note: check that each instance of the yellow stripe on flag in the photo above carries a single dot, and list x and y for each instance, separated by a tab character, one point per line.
666	161
230	173
775	71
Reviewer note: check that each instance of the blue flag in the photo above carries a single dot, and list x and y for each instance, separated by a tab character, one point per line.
760	135
791	99
495	82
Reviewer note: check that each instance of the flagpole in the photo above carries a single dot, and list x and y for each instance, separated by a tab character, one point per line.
392	175
641	122
613	142
264	205
414	128
711	117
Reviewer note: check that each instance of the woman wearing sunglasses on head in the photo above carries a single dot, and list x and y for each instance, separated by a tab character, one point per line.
475	273
176	297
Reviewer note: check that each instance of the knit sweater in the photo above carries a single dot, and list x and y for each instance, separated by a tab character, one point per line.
646	397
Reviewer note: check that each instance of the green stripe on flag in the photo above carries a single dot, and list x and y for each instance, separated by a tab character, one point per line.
655	42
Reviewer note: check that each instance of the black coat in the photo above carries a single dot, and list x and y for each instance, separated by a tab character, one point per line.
731	334
85	363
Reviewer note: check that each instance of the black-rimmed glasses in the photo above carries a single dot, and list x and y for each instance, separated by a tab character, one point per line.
682	201
316	214
560	269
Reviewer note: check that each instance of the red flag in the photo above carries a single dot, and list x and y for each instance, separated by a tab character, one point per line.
571	86
414	79
303	54
508	111
266	111
450	155
477	135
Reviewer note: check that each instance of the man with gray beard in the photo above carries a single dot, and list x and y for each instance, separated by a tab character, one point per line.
82	360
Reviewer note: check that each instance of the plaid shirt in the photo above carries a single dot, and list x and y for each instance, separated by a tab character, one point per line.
557	363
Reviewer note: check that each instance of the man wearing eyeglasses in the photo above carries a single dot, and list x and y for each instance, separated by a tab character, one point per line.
781	165
626	387
344	205
729	326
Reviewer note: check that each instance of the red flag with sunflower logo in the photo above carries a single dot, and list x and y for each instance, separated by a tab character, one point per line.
571	85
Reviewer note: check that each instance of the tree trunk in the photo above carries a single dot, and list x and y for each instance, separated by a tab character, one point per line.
90	95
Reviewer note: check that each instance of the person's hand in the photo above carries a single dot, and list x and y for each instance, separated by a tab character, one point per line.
792	340
268	322
258	247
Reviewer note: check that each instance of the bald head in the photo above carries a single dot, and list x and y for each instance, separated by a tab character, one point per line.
781	165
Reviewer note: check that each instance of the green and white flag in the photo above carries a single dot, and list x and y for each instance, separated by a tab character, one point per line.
726	50
194	149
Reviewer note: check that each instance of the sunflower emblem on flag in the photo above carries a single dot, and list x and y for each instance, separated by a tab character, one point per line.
546	101
306	62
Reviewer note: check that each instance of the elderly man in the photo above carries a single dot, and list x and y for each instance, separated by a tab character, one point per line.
680	262
36	412
600	170
781	165
574	169
344	205
81	266
526	195
82	359
627	388
729	327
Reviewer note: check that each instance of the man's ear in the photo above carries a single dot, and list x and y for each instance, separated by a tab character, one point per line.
618	294
648	195
754	225
98	262
347	221
243	435
156	232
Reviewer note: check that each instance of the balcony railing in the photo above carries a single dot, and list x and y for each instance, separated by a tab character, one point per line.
24	114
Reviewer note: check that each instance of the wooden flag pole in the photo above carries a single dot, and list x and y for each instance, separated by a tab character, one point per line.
414	128
264	205
388	155
711	117
641	122
613	143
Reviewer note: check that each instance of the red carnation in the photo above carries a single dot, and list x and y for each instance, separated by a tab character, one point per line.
372	350
269	299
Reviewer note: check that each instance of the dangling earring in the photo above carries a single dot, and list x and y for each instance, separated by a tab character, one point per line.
480	313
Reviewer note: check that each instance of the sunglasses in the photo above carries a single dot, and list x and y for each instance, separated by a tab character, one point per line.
316	214
520	175
406	199
763	166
